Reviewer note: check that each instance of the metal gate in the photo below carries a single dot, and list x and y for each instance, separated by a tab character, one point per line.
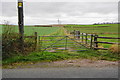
60	43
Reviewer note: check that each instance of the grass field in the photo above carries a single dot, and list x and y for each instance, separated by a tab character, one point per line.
28	31
105	28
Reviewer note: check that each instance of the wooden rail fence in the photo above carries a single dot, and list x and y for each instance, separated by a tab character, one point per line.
93	38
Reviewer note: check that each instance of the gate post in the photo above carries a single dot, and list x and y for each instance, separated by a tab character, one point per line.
91	41
77	34
36	41
95	41
86	38
39	43
82	37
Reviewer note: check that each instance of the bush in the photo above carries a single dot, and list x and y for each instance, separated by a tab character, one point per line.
11	44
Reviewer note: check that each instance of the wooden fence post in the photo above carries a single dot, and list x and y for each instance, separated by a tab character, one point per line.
66	43
74	33
78	34
82	37
95	41
39	43
91	41
86	38
36	41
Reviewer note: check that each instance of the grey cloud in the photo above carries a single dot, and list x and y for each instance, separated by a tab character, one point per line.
9	9
52	8
48	11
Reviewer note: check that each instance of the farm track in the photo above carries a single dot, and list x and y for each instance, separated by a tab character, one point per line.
66	63
65	30
52	33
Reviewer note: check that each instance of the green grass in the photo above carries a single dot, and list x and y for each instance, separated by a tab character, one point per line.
30	30
33	57
40	30
108	40
48	56
113	28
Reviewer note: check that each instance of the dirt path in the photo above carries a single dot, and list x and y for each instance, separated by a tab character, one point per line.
65	31
70	63
86	63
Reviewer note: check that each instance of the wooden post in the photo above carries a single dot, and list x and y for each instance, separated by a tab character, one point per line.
82	37
66	43
91	41
74	33
36	41
86	38
78	34
21	24
40	43
95	41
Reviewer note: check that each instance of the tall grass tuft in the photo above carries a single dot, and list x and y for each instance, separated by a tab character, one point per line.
115	49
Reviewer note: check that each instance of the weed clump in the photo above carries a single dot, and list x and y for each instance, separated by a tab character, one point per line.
115	49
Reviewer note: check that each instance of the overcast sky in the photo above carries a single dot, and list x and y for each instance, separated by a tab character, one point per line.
67	12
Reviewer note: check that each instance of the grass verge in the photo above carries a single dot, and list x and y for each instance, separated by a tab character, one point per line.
49	57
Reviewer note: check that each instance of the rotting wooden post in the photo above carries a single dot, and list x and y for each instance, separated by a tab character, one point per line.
36	41
95	41
91	41
86	38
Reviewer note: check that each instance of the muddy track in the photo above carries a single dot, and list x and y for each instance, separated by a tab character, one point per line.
70	63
